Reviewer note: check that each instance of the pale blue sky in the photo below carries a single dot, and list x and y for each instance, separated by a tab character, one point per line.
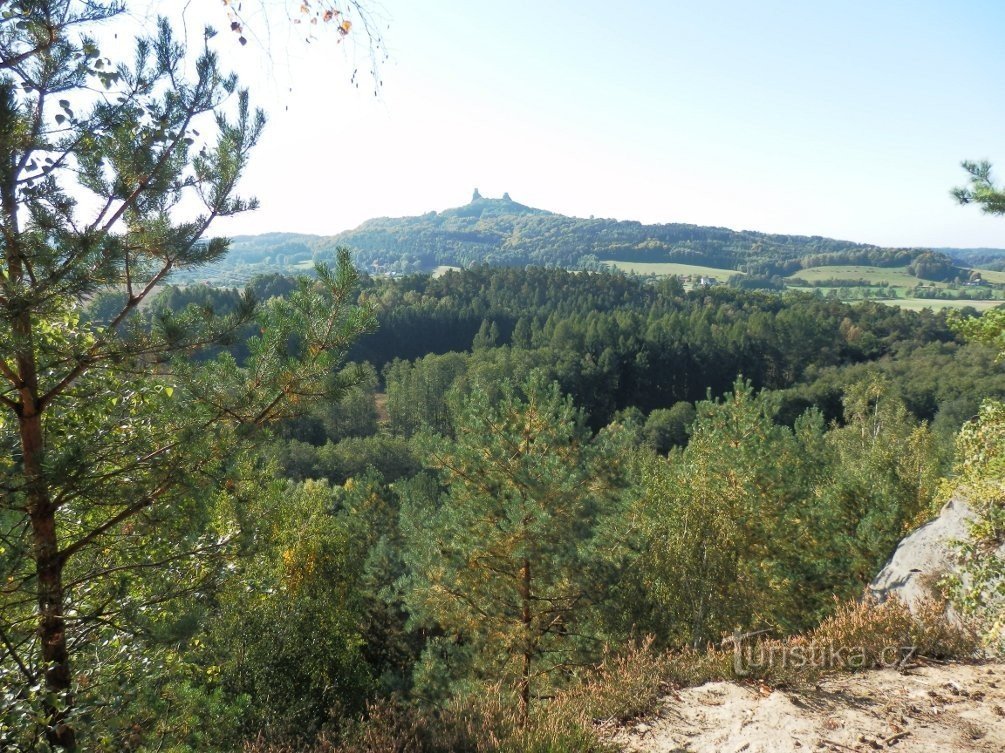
841	119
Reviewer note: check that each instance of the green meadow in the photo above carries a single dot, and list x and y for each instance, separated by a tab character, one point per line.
666	269
896	276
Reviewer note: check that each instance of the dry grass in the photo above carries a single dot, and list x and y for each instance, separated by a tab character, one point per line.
632	683
857	636
876	628
623	686
483	723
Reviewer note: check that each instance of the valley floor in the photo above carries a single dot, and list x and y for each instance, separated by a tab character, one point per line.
946	708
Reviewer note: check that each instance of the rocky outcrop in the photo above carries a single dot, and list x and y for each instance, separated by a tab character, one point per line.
924	556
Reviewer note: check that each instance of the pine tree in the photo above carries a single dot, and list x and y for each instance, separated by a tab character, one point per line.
982	189
110	432
505	564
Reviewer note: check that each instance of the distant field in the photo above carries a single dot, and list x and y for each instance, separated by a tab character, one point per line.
443	269
897	276
916	304
665	269
991	275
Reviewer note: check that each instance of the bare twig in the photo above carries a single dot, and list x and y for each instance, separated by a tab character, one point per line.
894	739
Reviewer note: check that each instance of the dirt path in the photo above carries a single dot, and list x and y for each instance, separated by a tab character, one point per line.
931	709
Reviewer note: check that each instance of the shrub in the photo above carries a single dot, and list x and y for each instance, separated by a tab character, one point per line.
874	629
622	687
486	722
859	635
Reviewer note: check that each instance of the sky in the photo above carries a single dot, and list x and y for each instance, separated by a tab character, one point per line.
847	120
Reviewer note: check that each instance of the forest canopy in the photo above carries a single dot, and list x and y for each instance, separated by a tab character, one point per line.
478	511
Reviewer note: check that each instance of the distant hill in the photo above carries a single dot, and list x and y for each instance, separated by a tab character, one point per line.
987	258
505	232
502	231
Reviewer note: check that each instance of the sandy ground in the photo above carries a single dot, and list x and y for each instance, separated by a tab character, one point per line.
929	709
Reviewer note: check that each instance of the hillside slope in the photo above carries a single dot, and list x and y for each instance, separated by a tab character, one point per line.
502	231
505	232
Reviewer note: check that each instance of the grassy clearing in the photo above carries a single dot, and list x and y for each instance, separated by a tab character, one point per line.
666	269
443	269
991	275
917	304
911	304
897	276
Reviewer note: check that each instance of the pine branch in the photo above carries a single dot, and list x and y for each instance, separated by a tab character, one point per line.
30	676
125	514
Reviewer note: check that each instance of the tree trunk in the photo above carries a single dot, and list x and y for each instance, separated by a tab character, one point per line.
526	620
51	623
45	548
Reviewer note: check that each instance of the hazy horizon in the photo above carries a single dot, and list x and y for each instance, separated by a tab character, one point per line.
616	219
782	118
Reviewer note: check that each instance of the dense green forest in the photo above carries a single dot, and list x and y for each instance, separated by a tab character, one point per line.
498	474
502	232
532	465
989	258
615	342
485	511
